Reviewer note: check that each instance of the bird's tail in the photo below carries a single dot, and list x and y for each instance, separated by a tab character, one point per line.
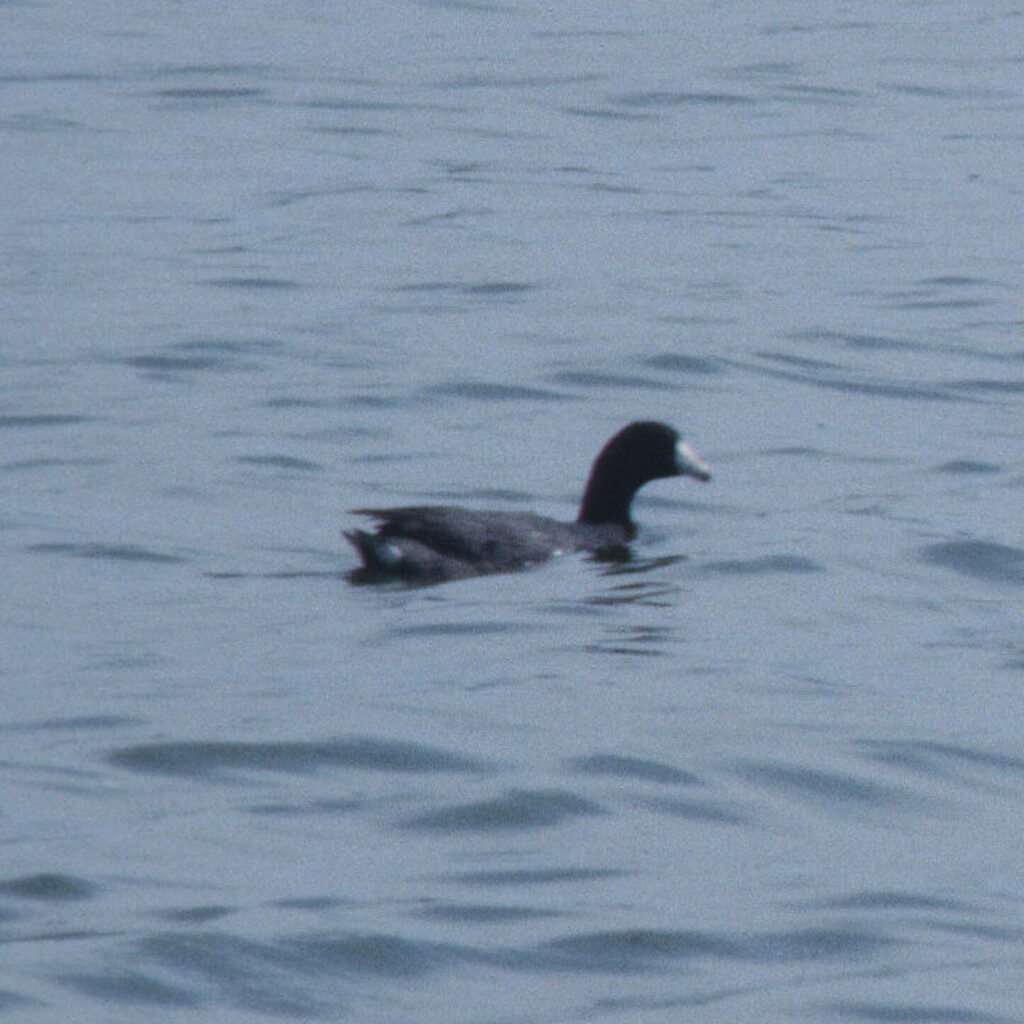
376	553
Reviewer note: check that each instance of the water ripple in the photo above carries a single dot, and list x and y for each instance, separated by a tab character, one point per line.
594	380
209	759
251	975
661	99
763	566
514	809
711	811
635	768
387	955
483	913
643	950
949	762
534	876
274	976
41	420
49	887
209	95
254	282
832	376
491	391
983	560
884	900
880	1012
113	552
129	988
72	724
499	289
223	356
287	462
674	362
833	789
968	467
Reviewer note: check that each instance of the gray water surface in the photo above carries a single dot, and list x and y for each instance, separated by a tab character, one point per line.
263	264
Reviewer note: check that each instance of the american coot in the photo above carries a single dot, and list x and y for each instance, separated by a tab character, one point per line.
434	543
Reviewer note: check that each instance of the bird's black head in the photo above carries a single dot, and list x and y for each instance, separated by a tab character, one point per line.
637	454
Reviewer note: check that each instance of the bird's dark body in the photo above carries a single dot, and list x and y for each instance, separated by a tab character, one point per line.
434	543
452	543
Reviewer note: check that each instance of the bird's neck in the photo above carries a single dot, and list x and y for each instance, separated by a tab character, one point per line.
603	505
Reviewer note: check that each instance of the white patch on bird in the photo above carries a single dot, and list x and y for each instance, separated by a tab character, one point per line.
688	461
389	554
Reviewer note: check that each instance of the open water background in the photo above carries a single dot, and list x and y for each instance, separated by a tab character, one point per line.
264	263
